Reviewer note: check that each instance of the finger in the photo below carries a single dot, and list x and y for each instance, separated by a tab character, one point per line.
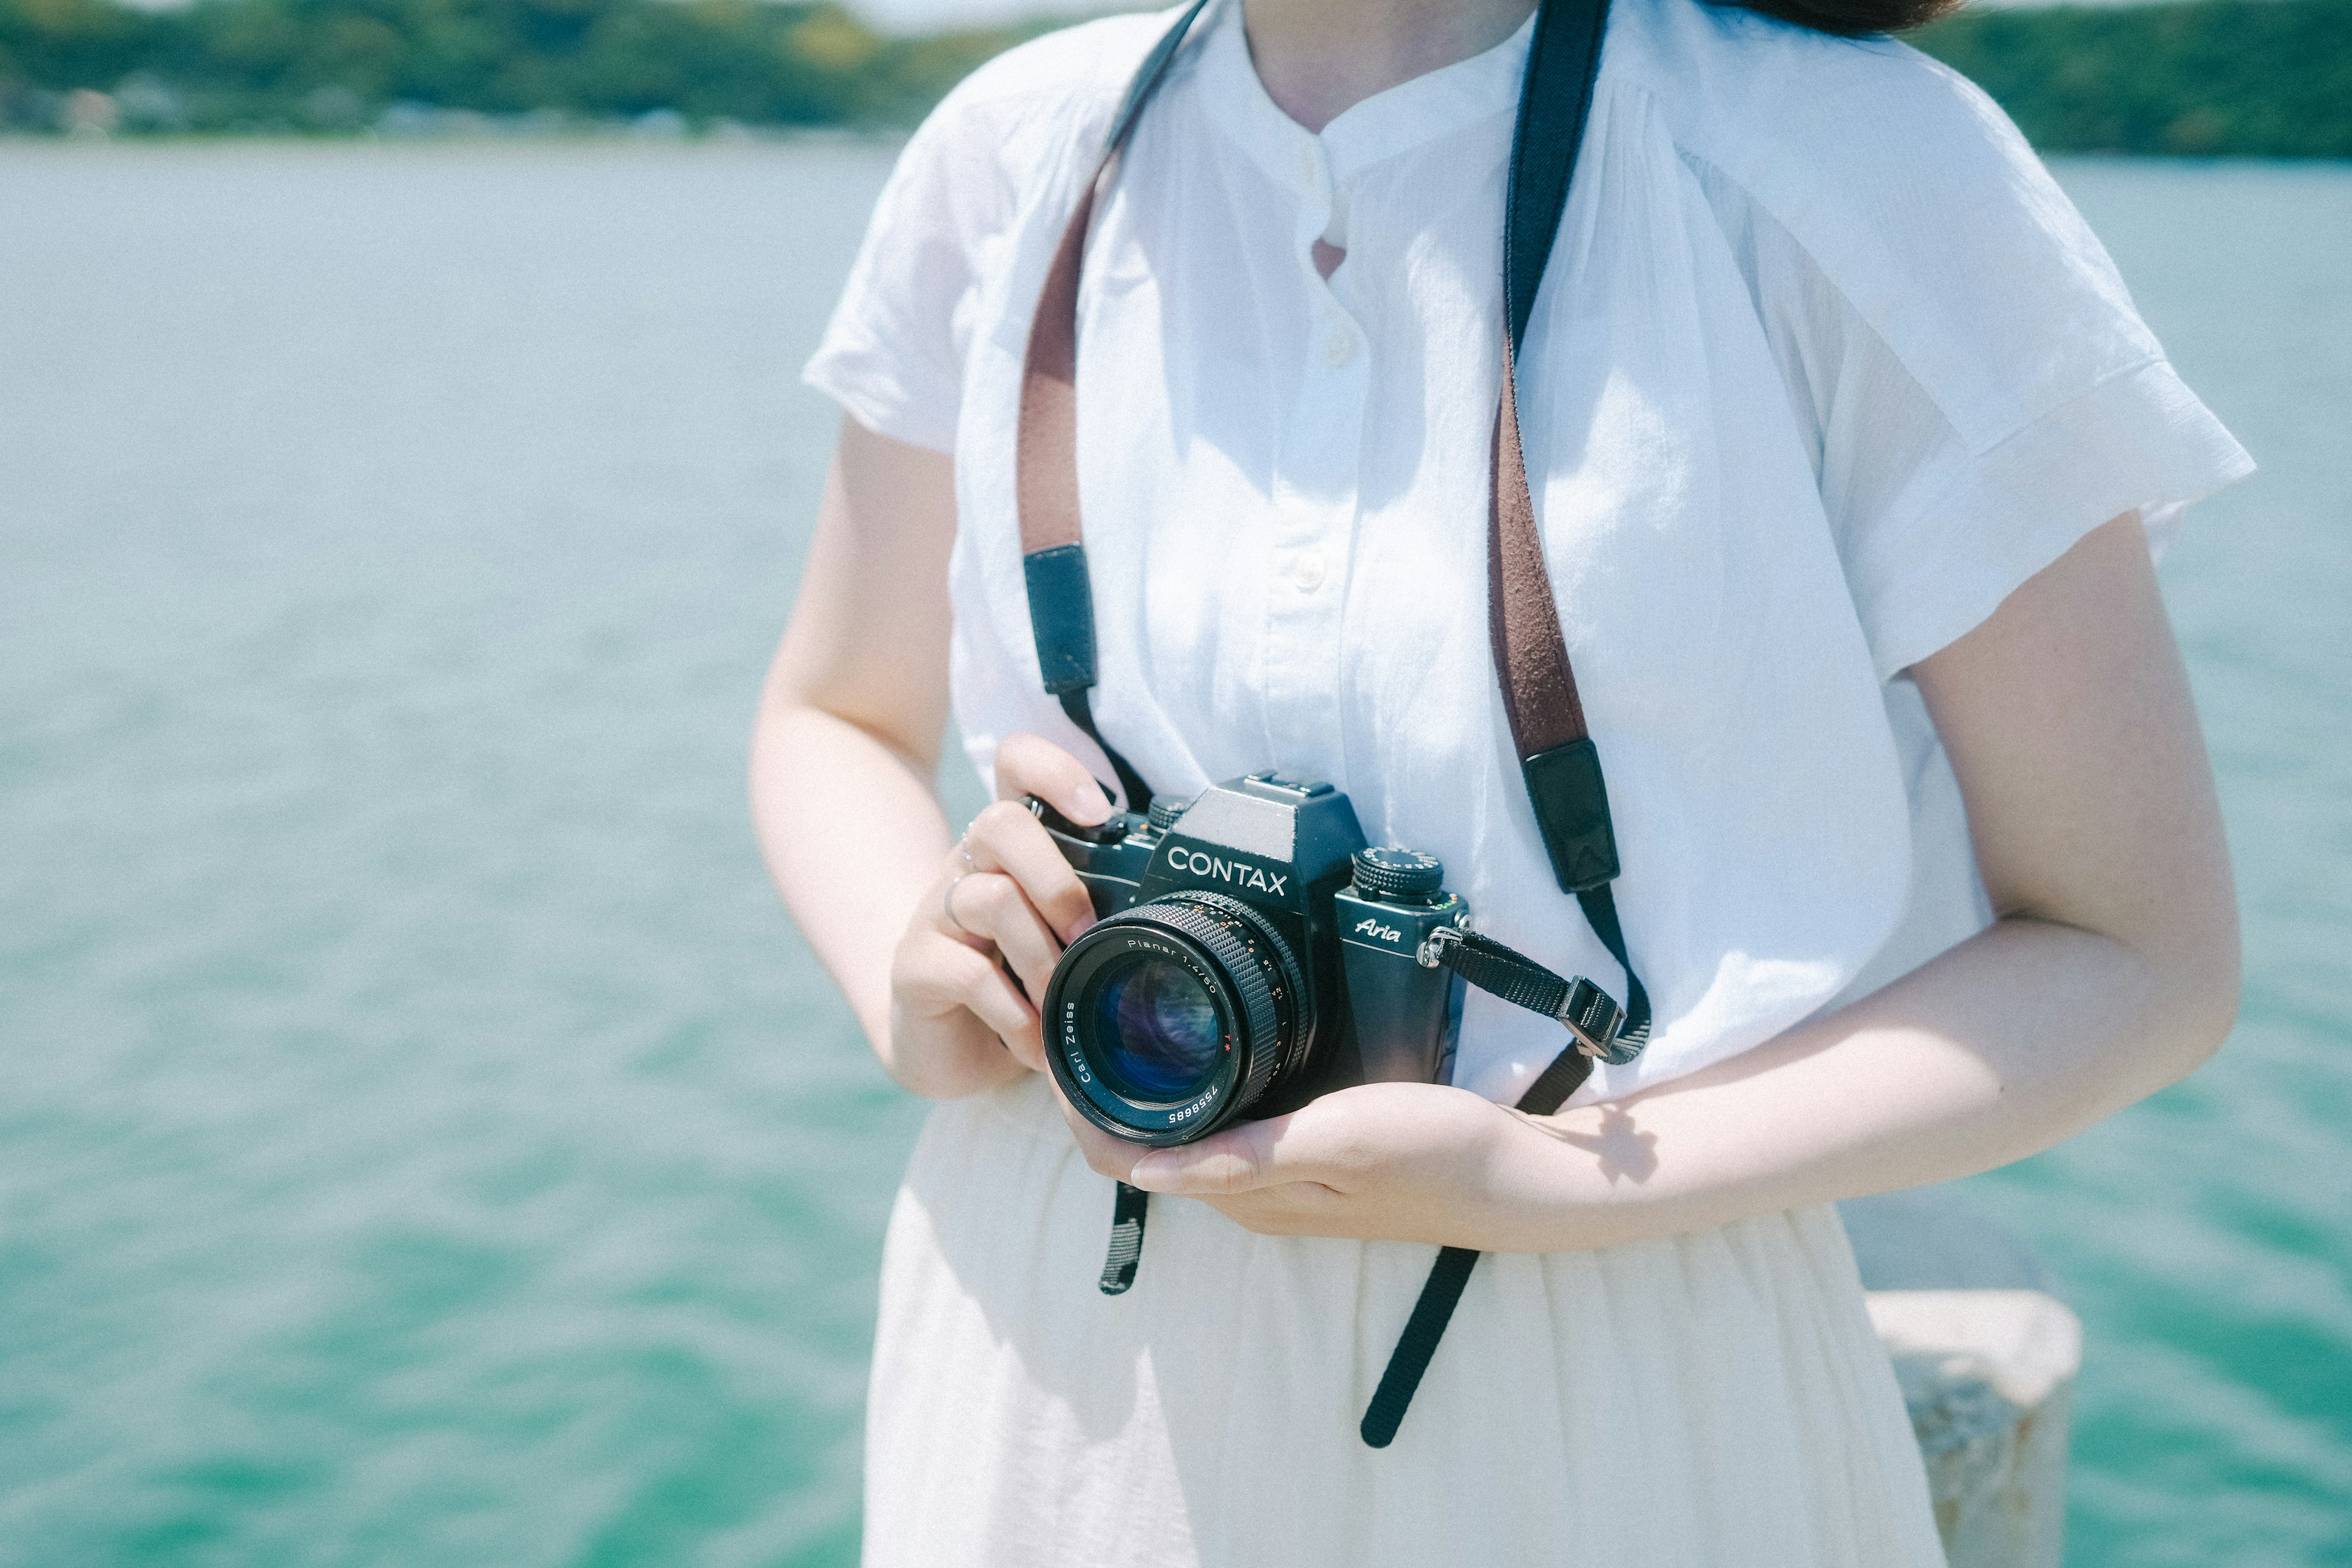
1005	838
1105	1155
941	974
944	907
1031	765
991	905
1239	1160
1289	1208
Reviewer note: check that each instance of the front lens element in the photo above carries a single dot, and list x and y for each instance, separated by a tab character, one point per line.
1155	1030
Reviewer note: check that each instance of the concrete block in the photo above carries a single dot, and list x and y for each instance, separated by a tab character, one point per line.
1987	1377
1986	1353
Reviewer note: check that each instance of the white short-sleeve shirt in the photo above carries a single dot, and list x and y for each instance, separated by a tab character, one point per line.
1824	366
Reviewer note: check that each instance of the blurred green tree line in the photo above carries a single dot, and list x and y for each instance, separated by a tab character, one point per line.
2246	77
337	65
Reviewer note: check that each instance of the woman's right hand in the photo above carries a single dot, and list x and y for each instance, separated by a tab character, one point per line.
1004	898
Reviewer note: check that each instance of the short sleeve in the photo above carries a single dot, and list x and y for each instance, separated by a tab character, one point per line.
893	353
1976	386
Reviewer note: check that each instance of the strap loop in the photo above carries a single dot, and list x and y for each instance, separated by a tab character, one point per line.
1061	616
1571	803
1128	1212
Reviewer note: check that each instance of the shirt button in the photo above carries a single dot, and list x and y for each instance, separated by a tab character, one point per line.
1339	348
1306	570
1307	166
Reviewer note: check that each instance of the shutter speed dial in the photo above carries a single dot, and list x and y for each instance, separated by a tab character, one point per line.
1398	876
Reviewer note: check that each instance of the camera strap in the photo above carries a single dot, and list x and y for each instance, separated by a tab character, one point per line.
1559	764
1557	760
1053	541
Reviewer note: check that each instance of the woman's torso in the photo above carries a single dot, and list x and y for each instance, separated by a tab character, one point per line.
1285	480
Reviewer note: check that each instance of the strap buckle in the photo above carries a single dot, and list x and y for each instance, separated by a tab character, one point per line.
1593	1016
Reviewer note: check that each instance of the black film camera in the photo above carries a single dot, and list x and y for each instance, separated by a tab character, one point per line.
1251	954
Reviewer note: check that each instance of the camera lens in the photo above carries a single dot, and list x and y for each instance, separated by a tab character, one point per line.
1167	1020
1155	1029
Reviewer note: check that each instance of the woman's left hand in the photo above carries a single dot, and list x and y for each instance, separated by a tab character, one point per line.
1382	1162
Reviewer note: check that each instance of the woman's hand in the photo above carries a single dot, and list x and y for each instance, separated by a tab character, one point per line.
1382	1162
1004	901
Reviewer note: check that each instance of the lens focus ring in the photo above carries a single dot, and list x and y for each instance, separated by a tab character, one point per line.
1246	955
1294	1004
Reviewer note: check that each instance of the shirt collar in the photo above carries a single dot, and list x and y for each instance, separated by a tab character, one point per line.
1409	115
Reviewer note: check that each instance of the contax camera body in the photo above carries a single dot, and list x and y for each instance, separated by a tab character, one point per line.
1251	954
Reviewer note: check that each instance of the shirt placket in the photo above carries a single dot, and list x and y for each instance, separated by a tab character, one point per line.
1316	495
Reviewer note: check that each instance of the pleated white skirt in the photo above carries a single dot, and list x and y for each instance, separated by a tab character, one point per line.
1715	1400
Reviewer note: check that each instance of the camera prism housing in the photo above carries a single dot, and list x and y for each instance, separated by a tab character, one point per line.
1250	954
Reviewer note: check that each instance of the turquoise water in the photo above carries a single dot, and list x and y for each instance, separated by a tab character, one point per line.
422	1138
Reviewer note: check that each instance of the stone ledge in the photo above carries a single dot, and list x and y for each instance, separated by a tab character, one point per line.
1986	1355
1988	1377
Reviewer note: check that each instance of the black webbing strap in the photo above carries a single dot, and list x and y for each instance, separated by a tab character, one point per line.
1147	77
1131	784
1434	1309
1431	1311
1589	1013
1563	61
1600	906
1128	1212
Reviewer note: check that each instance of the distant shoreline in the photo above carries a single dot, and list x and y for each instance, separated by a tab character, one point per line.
882	138
460	132
2195	78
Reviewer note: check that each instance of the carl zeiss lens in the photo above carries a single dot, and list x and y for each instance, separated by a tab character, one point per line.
1168	1019
1156	1029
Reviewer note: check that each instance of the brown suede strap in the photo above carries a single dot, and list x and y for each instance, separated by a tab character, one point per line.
1047	455
1522	621
1046	463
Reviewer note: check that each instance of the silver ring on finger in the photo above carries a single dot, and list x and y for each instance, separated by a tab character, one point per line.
946	902
964	847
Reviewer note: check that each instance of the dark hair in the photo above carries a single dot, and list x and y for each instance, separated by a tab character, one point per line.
1852	19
